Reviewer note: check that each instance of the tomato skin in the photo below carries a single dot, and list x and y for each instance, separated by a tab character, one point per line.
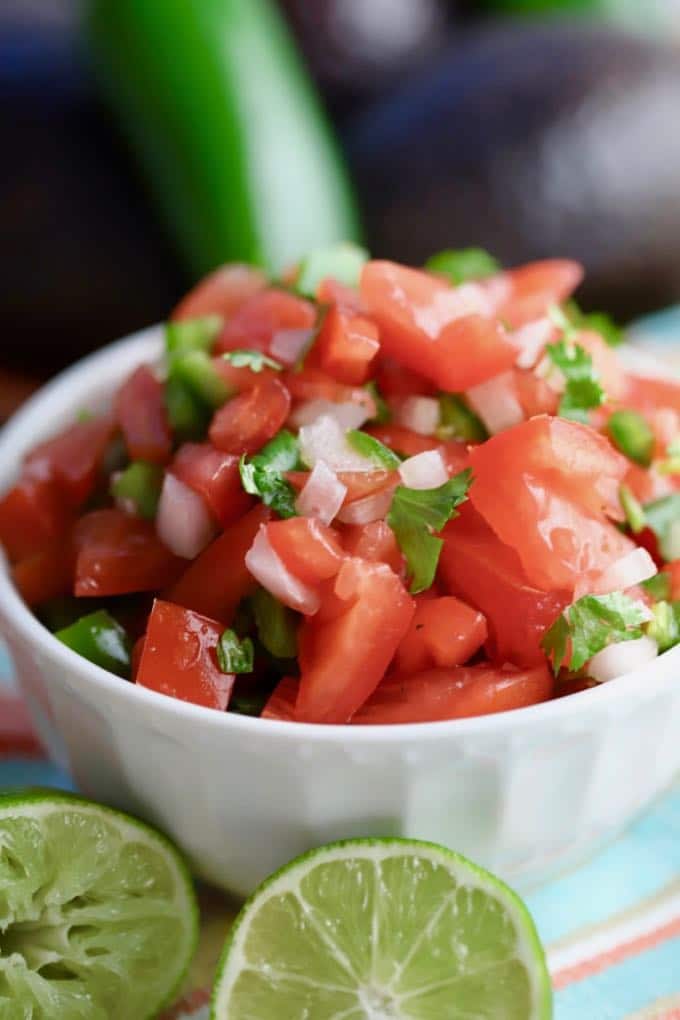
281	703
240	378
534	394
346	346
32	514
358	483
374	542
344	653
141	414
218	579
477	567
533	288
309	549
393	380
215	476
673	570
178	657
438	694
72	459
255	322
46	574
312	384
650	394
118	554
222	292
444	632
246	422
330	292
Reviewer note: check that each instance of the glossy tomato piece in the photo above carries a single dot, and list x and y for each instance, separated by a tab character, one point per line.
73	458
178	658
46	574
218	579
344	653
647	394
534	395
312	384
437	694
118	554
393	380
222	292
32	514
346	346
281	703
332	292
253	325
444	632
476	566
246	422
447	334
215	476
374	542
142	416
527	292
310	550
239	377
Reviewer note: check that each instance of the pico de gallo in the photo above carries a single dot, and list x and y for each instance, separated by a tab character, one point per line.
364	494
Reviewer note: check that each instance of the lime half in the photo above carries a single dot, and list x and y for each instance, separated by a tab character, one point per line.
383	929
98	919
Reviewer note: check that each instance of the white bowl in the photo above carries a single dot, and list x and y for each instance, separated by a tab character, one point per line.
525	793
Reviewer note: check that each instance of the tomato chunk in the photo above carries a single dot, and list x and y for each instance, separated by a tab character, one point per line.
239	377
281	703
309	549
403	440
46	574
346	346
313	384
438	694
393	380
253	325
444	632
527	292
222	292
218	579
178	658
649	394
476	566
374	542
344	657
141	413
118	554
245	423
73	458
215	476
32	514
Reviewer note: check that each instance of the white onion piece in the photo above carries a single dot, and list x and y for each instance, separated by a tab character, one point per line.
369	508
322	495
419	414
498	289
325	440
622	657
347	415
530	341
631	569
424	471
551	374
183	522
496	403
269	570
450	304
288	344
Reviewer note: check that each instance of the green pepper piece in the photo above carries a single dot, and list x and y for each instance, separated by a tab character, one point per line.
276	625
140	484
188	415
101	639
197	371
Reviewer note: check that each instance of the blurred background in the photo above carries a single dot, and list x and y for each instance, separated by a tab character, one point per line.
146	141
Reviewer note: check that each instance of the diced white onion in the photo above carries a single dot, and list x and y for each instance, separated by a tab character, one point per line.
622	657
419	414
269	570
369	508
424	471
530	341
496	403
498	289
347	415
631	569
288	344
183	521
450	304
551	374
323	494
325	440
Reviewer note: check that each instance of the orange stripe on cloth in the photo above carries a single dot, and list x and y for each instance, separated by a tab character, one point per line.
586	969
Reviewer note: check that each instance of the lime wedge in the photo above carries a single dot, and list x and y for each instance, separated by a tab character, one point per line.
383	929
98	917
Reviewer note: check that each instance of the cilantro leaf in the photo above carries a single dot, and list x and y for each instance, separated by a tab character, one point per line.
589	625
254	360
262	474
371	448
462	265
234	654
415	517
663	517
583	390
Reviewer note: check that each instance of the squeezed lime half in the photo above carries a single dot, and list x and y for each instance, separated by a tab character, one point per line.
98	917
383	929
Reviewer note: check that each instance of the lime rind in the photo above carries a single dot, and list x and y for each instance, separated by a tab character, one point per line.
328	962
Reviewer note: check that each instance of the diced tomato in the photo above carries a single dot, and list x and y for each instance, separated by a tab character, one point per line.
438	694
673	570
649	394
606	362
32	514
444	632
73	458
178	658
344	657
529	291
479	568
534	394
239	377
402	440
142	416
434	329
393	380
218	579
222	292
136	657
646	484
253	325
331	292
245	423
346	346
374	542
358	483
281	703
215	476
46	574
118	554
308	549
312	384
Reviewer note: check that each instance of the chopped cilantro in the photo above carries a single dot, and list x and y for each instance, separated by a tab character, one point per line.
373	449
663	517
234	654
583	390
262	474
589	625
631	433
457	421
254	360
462	265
